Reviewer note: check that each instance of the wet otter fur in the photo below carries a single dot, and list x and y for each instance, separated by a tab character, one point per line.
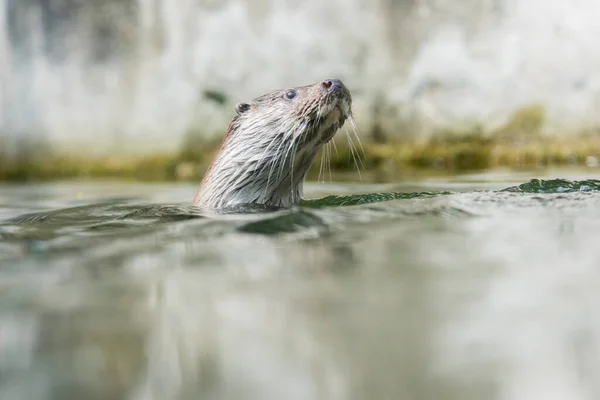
271	143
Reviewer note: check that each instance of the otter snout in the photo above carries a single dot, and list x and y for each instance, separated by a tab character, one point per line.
336	87
333	83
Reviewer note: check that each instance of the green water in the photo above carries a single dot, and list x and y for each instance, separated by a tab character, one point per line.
480	286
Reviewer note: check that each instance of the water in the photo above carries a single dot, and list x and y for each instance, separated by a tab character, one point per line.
471	287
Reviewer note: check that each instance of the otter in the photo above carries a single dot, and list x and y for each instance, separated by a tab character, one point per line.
271	143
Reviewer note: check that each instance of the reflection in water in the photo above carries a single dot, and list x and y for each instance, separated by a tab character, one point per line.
533	328
287	330
461	296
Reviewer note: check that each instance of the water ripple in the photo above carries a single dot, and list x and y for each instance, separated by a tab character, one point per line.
555	186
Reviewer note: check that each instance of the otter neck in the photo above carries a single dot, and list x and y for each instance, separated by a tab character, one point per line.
272	173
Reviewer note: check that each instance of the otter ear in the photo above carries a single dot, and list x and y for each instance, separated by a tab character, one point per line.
241	108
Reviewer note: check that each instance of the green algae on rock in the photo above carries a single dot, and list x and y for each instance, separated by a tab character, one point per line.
443	152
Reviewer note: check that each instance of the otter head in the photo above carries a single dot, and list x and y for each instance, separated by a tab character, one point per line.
271	143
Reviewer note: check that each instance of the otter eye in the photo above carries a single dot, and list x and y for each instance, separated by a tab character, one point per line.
290	94
242	107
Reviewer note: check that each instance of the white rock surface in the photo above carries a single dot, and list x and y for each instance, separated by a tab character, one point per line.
132	76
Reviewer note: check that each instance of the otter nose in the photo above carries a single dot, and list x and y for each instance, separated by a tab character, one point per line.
329	83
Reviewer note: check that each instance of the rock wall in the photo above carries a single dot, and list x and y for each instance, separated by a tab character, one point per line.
143	76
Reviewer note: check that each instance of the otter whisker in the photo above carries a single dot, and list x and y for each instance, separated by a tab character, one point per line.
326	156
293	183
321	166
354	130
334	147
351	141
353	148
329	159
353	152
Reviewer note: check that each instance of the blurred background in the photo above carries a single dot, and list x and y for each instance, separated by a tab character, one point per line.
462	263
147	87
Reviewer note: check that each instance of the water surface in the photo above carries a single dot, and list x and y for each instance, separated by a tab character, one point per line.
474	287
